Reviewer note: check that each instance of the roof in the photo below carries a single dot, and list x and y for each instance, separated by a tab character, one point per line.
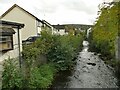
44	21
15	5
6	31
12	24
48	24
59	26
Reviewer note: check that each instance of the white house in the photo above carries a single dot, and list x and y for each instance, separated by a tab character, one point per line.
60	29
10	39
50	27
9	42
18	14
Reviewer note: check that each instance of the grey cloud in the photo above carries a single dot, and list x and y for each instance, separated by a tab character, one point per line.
46	7
79	5
53	9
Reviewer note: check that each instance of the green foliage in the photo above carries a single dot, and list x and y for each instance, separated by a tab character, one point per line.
105	32
59	52
57	49
70	29
12	77
119	19
104	35
32	53
64	51
41	77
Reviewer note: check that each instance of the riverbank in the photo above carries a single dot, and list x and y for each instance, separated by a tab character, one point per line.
89	72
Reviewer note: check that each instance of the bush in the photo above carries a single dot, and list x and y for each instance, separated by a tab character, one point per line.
104	35
12	76
64	50
61	51
102	47
105	32
41	77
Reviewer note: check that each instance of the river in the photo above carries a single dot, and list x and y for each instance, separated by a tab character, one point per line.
90	72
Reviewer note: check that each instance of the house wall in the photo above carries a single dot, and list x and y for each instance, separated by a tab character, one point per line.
61	31
20	16
39	25
55	31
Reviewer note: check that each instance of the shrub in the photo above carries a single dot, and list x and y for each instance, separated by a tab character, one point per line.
41	77
64	50
105	32
12	76
55	49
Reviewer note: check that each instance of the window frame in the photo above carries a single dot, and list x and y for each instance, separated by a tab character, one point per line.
7	42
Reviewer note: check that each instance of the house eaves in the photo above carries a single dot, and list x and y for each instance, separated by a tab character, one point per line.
15	5
6	31
46	23
12	24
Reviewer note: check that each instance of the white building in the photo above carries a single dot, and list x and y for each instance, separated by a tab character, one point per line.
33	25
9	42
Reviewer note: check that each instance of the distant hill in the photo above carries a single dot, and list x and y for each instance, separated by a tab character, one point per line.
77	26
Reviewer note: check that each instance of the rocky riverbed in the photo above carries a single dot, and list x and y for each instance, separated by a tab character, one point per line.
90	72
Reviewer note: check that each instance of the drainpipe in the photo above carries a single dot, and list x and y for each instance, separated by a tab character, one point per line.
19	47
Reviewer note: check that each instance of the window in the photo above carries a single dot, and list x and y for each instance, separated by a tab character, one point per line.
6	43
6	38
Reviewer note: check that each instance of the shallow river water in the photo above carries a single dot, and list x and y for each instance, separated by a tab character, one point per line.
89	72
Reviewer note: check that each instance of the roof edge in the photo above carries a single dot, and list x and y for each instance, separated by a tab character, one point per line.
15	5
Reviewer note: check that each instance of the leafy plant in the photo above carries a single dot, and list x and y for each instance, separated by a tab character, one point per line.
64	51
12	76
41	77
105	32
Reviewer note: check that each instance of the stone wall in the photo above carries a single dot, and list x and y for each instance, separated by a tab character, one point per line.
1	70
118	48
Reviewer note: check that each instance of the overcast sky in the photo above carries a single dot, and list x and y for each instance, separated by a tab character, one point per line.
58	11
